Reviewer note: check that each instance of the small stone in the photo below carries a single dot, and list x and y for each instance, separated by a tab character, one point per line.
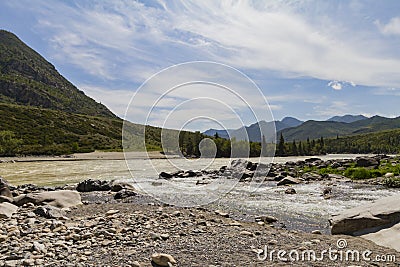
316	232
266	219
136	264
272	242
28	262
38	247
290	191
155	236
3	238
246	233
164	236
111	212
163	259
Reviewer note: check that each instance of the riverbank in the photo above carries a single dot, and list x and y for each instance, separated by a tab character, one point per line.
96	155
108	232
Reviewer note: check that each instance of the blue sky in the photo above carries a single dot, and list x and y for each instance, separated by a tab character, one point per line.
311	59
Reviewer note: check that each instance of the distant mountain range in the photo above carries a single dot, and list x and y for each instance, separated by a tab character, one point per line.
294	129
253	131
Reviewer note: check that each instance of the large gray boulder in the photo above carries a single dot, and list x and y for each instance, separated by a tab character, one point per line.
59	199
7	210
389	237
369	218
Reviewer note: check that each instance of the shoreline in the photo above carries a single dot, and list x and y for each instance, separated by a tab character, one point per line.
102	155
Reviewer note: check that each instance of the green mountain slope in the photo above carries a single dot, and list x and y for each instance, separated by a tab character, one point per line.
26	78
316	129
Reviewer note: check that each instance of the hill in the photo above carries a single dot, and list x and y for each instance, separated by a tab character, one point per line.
347	118
26	78
316	129
255	131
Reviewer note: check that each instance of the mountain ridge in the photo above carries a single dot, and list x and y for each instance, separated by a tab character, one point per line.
27	78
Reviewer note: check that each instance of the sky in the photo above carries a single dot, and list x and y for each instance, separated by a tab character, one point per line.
307	59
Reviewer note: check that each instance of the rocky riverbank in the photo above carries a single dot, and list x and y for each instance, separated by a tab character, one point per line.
116	226
378	170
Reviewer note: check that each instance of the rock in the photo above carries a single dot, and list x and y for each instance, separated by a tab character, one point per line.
266	219
93	185
366	162
117	186
6	199
111	212
327	190
7	210
290	191
165	175
310	176
3	238
125	193
5	188
59	199
369	218
312	159
222	213
316	232
388	237
288	180
389	175
336	165
247	233
239	164
49	212
39	247
163	259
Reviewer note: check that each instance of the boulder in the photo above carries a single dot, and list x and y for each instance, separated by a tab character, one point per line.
367	162
93	185
288	180
165	175
381	214
59	199
5	188
7	210
125	193
117	186
240	164
388	237
6	199
162	259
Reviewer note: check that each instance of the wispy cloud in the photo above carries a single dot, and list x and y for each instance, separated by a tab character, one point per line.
390	28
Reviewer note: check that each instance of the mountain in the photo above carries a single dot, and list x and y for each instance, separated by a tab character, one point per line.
348	118
291	122
26	78
255	131
316	129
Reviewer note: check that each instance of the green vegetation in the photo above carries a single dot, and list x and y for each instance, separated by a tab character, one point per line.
8	143
330	129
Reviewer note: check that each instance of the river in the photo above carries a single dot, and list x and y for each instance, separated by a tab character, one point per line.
307	210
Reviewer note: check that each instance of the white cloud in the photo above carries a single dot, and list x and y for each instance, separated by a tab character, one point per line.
339	85
114	39
335	85
391	28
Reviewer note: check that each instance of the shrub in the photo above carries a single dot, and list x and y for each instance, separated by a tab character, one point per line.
361	173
